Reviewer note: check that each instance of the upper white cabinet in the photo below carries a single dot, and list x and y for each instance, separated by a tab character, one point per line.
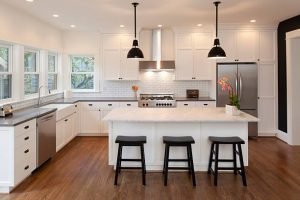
191	56
116	66
240	45
267	46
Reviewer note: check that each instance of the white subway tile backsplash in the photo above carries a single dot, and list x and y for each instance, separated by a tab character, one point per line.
150	82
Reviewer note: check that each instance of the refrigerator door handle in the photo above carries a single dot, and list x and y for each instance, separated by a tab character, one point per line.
236	84
241	86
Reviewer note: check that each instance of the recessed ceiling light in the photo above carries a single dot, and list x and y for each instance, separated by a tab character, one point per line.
252	20
199	25
159	25
55	15
73	26
30	1
122	26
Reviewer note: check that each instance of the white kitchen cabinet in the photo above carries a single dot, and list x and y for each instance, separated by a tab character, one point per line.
195	104
240	45
65	131
191	56
267	46
90	122
116	66
17	154
129	104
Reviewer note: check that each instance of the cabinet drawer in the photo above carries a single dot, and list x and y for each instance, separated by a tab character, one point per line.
209	104
185	104
25	127
25	139
24	153
90	105
132	104
109	105
24	169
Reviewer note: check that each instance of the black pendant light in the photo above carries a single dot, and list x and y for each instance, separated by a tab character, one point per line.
135	51
217	51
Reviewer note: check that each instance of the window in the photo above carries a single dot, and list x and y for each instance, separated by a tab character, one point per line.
5	72
31	72
52	71
82	74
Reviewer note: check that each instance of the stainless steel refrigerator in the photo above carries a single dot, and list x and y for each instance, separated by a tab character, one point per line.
243	79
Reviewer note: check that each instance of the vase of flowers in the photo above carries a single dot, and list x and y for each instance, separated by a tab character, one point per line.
233	107
135	88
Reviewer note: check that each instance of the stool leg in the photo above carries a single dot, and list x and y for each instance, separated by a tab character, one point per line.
210	158
188	158
234	159
242	165
118	164
143	164
216	165
167	164
164	169
191	163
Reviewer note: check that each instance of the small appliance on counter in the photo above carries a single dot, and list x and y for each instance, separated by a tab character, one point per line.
192	94
6	110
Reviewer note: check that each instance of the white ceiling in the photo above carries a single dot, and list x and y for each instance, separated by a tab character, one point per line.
99	15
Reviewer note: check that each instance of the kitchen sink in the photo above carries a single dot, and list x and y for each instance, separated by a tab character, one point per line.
63	110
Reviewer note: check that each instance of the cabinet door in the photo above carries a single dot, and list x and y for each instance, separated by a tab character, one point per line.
129	67
202	65
111	41
69	129
184	41
267	46
60	132
111	64
247	46
90	121
104	124
228	43
77	120
184	64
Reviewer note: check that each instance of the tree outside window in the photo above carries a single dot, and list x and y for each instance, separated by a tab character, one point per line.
82	75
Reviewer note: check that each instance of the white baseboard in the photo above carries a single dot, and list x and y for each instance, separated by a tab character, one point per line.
282	136
267	134
93	134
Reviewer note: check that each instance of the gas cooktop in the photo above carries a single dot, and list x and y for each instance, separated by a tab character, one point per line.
157	100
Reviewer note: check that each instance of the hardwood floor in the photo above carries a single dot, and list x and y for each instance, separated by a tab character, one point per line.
80	171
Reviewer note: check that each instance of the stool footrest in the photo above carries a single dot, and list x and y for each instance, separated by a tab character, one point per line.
179	168
130	159
131	168
223	160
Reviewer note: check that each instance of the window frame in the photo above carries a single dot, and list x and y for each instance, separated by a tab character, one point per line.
78	73
37	72
10	69
55	70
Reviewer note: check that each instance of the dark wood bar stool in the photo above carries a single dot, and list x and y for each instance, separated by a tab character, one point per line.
185	141
131	141
236	149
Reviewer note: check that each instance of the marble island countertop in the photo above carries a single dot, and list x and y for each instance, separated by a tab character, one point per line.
176	115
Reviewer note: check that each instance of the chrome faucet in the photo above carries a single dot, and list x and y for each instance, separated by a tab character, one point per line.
39	99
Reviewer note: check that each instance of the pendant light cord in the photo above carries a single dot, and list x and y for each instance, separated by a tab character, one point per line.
135	4
217	4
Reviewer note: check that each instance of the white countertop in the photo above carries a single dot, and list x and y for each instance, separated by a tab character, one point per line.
176	115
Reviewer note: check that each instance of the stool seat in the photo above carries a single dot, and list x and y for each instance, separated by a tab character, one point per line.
178	140
131	139
226	140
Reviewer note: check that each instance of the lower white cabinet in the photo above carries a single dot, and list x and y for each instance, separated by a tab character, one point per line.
65	131
17	154
196	103
92	114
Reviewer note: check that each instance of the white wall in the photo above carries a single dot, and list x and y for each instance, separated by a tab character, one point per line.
22	28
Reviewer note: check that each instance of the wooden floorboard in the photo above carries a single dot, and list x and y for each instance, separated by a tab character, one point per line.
80	171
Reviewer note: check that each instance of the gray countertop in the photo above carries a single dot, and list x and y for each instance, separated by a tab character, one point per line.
24	115
85	99
27	114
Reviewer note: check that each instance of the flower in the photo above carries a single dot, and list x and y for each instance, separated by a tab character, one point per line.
135	88
233	97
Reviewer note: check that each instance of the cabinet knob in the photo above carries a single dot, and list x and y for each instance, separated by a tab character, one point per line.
128	104
27	167
66	120
26	127
26	151
205	104
185	104
26	138
90	104
75	106
109	104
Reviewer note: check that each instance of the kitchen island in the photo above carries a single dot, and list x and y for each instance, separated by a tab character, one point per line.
200	123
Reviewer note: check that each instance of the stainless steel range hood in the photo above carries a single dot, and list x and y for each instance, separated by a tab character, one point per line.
156	64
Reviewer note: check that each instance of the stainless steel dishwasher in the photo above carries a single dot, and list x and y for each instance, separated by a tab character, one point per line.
46	137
